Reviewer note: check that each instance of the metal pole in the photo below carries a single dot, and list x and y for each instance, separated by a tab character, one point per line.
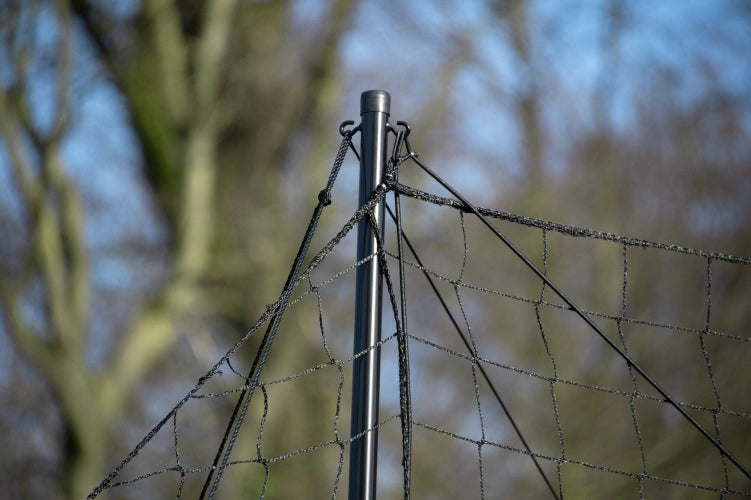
374	113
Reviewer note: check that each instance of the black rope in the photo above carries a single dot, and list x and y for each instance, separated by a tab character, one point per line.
467	206
402	237
405	392
243	402
578	232
464	339
108	482
274	314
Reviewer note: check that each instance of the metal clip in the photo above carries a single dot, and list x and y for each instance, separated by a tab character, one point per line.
350	132
406	127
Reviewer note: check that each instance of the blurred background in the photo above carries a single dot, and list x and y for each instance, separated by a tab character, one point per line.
159	159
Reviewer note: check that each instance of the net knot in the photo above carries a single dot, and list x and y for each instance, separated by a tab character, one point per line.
325	197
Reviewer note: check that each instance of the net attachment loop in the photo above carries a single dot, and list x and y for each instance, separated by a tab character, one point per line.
348	133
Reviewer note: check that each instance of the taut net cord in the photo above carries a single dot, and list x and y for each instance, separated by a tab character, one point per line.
520	358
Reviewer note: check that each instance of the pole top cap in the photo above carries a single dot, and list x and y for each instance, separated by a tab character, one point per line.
375	100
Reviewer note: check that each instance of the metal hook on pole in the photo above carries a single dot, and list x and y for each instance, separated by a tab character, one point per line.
374	113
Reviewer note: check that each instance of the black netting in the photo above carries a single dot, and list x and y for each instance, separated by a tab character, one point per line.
494	384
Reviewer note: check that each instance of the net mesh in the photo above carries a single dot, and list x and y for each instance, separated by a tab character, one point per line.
491	385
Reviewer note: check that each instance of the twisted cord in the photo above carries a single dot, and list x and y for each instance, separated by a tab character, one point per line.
324	199
577	232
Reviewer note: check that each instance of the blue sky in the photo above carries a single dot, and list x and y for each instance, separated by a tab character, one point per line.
401	47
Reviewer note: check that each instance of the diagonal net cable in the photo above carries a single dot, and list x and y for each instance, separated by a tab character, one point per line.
574	307
243	402
483	367
463	337
272	315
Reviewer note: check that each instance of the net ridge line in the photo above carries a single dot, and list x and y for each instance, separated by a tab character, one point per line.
467	206
575	231
376	197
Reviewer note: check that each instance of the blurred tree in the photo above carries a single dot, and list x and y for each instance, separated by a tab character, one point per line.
623	116
215	93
